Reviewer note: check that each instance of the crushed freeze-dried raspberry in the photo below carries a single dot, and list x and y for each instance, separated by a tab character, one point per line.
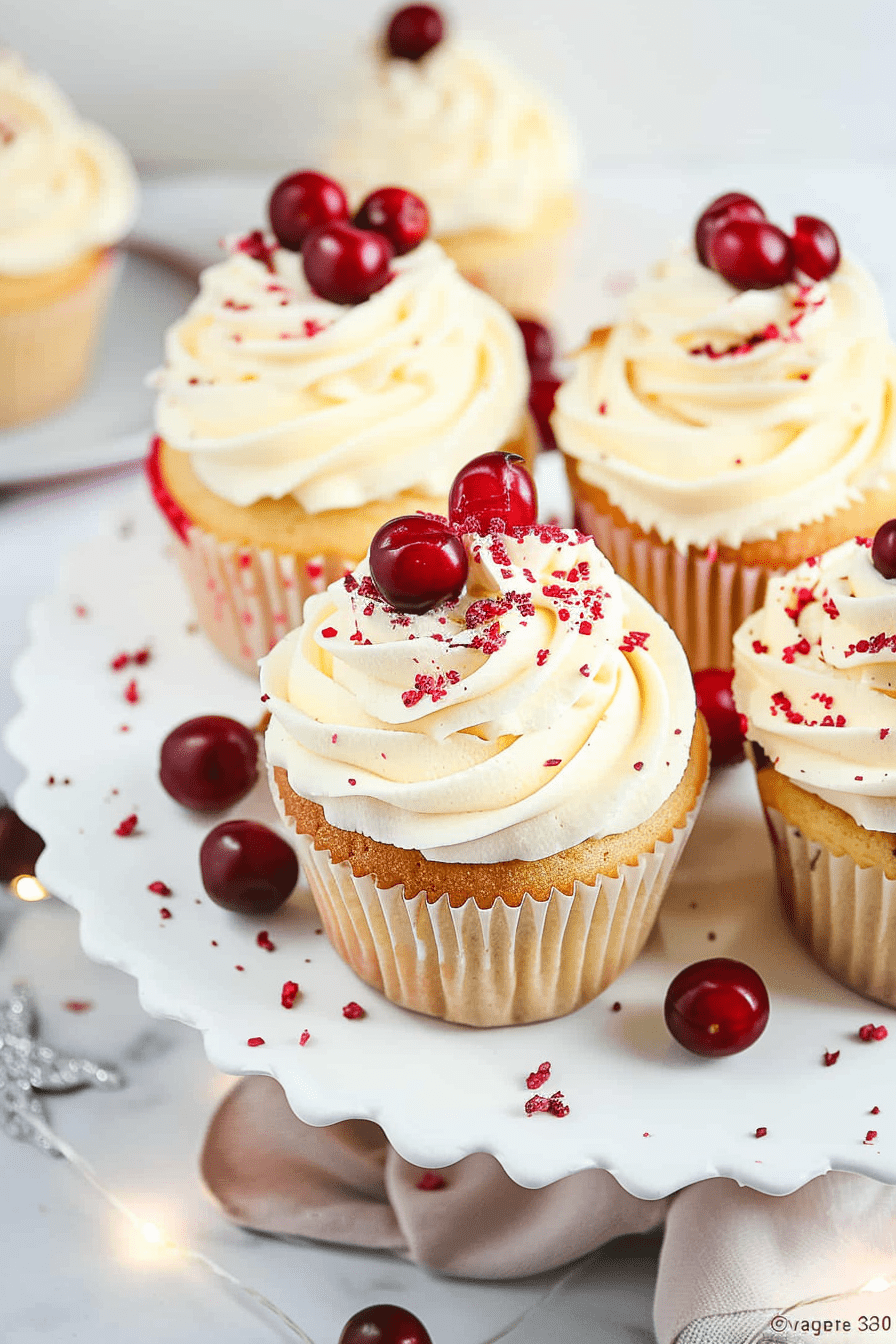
353	1011
119	661
829	607
831	1057
164	912
128	826
159	889
255	1040
542	656
264	941
537	1104
803	598
759	647
553	760
616	1007
80	610
871	1136
288	993
558	1105
639	765
329	632
431	1180
634	639
305	1037
142	656
255	246
539	1076
872	1033
131	693
77	1005
761	1132
875	1110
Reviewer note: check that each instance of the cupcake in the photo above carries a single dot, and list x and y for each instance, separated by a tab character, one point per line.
68	194
815	677
495	161
487	745
310	395
739	418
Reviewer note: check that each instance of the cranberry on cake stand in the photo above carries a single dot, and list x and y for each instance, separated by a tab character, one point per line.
116	664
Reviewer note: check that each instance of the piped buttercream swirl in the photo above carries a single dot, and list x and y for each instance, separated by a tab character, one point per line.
66	187
815	675
548	704
718	416
274	391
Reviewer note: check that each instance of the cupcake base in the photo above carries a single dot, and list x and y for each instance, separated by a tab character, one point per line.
521	270
48	329
249	570
518	947
839	901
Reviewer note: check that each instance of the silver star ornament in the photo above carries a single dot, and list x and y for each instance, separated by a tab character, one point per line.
28	1067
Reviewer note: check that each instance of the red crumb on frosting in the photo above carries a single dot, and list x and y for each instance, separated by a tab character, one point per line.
329	632
802	598
264	941
872	1033
759	647
305	1037
829	607
288	993
431	1180
863	541
255	246
159	889
831	1057
542	656
552	761
255	1040
539	1076
128	826
639	765
353	1011
602	408
791	650
761	1132
634	639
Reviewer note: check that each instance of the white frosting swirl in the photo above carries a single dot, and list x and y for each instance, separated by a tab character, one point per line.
274	391
549	704
720	416
66	187
815	674
484	148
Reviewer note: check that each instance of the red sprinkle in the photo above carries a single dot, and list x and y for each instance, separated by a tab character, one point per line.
128	826
353	1011
872	1033
761	1132
539	1077
264	941
119	661
78	1005
554	760
255	1040
875	1110
871	1136
265	699
639	765
288	993
431	1180
142	656
131	694
831	1057
164	913
542	656
305	1037
159	889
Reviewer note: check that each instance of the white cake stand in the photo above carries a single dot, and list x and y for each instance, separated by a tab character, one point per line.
640	1107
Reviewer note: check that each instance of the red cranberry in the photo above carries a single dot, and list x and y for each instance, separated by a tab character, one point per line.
247	868
302	202
733	205
883	549
751	254
541	404
20	846
815	247
344	264
417	562
209	763
715	702
717	1007
384	1325
413	31
539	346
397	214
495	487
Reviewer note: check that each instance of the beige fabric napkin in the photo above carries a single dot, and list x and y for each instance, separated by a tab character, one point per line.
732	1260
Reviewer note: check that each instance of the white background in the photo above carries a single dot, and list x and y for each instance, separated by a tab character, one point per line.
229	82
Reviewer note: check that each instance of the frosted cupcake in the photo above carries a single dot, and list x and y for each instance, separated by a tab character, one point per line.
495	161
488	747
739	418
67	195
309	395
815	676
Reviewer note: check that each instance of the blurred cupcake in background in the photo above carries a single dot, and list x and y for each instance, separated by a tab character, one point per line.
815	678
327	377
68	193
495	161
740	417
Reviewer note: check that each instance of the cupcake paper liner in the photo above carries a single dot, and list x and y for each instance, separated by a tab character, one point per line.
844	915
45	351
703	597
491	967
247	598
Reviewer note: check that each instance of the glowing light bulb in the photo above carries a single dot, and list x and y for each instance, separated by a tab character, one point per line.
27	888
878	1285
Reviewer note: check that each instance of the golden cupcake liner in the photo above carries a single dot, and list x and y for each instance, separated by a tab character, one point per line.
703	597
498	966
247	598
45	351
844	915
